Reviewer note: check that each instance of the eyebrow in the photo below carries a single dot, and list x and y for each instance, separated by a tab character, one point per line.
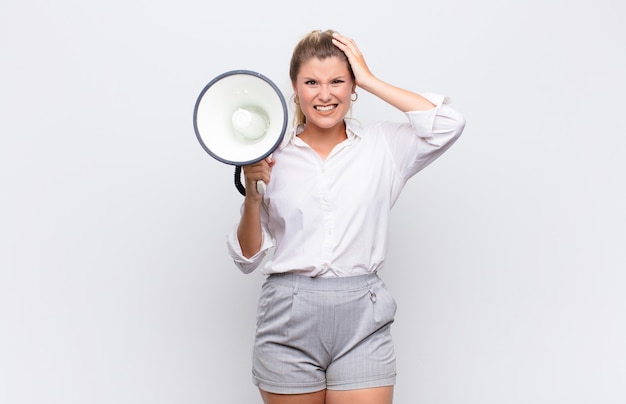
340	77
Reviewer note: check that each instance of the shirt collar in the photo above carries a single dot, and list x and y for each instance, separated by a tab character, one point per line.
352	129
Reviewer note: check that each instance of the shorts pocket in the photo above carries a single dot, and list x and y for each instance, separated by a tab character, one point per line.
274	310
385	305
268	294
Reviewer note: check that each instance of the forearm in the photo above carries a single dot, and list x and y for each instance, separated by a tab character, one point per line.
400	98
249	232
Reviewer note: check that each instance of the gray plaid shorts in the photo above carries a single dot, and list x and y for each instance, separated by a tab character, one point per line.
323	333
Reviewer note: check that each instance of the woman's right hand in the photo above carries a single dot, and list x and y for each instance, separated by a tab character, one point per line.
249	231
257	172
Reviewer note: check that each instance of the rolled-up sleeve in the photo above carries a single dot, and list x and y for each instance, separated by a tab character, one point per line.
441	125
248	265
437	129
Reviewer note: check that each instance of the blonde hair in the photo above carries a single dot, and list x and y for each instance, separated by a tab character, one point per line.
316	44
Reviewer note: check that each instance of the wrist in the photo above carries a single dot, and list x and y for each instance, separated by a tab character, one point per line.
252	200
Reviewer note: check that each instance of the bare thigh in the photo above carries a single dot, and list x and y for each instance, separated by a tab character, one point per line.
377	395
318	397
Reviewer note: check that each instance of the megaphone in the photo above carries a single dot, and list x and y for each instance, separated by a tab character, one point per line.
240	118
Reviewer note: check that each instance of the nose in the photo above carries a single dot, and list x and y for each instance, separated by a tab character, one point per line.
325	92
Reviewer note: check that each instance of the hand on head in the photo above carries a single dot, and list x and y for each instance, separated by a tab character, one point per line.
362	73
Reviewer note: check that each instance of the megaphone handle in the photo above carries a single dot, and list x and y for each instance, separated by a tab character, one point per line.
260	185
238	184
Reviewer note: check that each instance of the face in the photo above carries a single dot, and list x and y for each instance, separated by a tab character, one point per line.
323	88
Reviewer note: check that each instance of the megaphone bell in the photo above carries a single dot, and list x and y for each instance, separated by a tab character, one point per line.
240	118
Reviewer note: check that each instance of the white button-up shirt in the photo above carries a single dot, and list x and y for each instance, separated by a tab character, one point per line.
330	217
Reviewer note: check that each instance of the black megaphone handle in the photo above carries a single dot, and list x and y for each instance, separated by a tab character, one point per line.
238	184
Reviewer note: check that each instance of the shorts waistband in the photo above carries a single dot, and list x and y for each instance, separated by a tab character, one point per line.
324	283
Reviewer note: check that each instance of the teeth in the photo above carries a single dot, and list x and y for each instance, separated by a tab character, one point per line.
326	108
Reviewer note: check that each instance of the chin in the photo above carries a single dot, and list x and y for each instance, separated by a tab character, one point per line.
325	125
326	122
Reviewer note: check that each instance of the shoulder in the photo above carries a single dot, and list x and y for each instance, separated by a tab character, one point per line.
372	130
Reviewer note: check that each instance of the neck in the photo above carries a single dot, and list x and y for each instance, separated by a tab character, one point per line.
323	140
315	134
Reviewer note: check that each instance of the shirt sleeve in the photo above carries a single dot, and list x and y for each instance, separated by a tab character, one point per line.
426	136
247	265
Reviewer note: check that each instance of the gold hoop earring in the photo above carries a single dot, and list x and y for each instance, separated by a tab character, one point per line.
356	96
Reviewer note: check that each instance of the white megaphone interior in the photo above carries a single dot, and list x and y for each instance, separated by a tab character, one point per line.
214	118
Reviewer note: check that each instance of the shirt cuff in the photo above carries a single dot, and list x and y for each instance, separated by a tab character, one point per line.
425	122
436	99
247	265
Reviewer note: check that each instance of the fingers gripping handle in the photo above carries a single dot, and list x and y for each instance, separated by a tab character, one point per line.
260	185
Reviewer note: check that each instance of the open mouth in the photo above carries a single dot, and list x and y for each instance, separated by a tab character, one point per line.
325	107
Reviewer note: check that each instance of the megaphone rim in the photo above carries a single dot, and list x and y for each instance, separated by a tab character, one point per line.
232	73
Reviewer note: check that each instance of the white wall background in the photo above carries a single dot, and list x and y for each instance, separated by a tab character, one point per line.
507	255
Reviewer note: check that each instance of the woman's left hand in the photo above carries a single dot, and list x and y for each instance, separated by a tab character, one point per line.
362	73
400	98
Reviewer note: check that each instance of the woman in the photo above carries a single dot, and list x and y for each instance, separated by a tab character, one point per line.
324	315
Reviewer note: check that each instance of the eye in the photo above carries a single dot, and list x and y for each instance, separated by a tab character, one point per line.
310	82
338	81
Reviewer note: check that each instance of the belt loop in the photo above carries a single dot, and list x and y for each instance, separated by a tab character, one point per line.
372	294
295	285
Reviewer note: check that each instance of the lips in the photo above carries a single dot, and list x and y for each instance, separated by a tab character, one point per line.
324	108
